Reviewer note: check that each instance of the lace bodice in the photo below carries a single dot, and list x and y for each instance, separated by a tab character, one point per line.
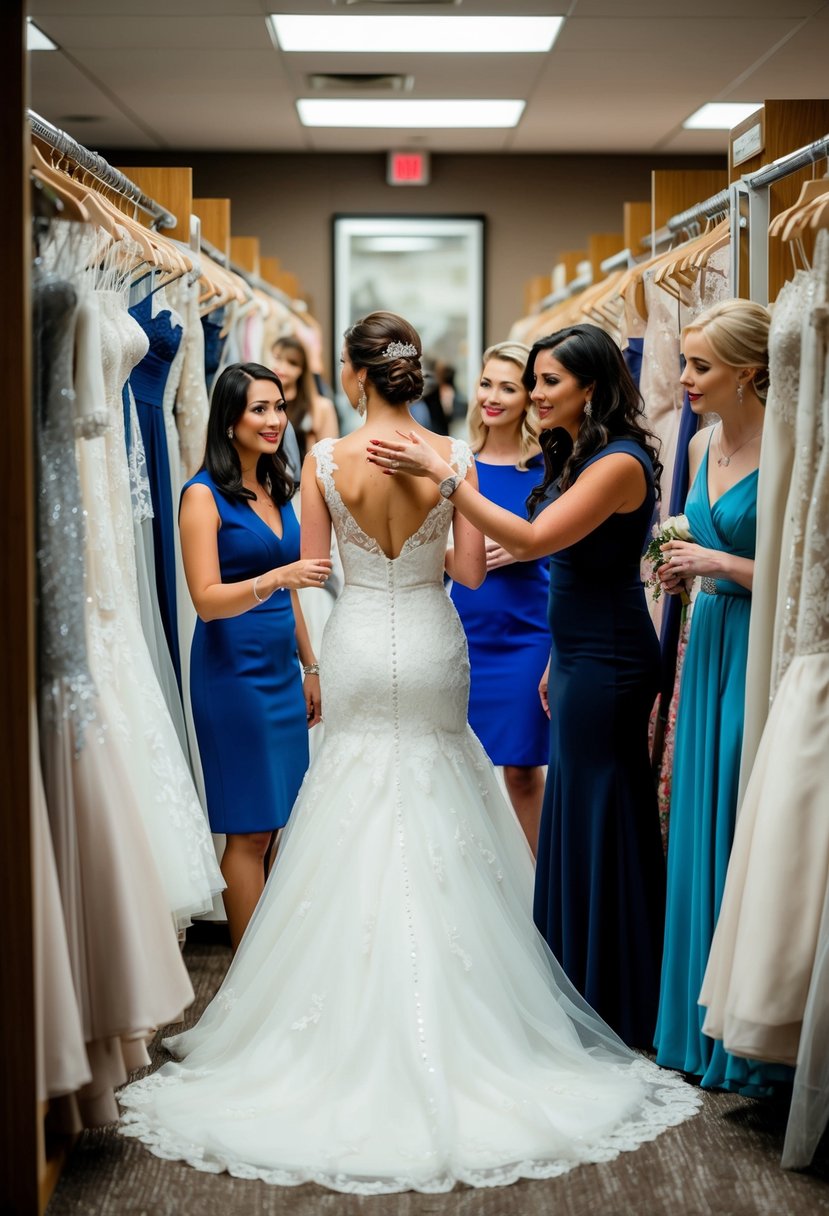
364	562
397	611
813	608
62	656
808	441
784	345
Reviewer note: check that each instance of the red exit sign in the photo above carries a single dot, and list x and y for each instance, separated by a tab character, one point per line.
407	169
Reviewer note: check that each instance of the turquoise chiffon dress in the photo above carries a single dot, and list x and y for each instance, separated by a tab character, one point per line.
704	793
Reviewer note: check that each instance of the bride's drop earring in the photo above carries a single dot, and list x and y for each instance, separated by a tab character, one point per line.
229	432
362	400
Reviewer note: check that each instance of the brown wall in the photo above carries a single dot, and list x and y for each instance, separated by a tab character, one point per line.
535	206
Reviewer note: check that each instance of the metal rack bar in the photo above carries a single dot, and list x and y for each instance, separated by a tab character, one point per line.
261	285
800	159
62	142
717	204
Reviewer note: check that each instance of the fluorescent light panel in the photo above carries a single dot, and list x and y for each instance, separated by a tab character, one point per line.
405	35
36	40
720	115
353	112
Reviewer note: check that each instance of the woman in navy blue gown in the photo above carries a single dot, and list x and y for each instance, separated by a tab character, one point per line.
252	710
600	878
505	619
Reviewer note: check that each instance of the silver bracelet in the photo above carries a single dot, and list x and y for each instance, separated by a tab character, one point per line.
311	669
260	599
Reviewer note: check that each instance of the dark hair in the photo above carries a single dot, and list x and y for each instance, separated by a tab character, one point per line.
305	388
227	404
397	380
617	409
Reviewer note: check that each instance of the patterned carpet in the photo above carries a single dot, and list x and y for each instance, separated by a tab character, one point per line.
725	1161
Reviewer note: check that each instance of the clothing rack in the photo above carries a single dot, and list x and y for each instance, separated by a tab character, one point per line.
750	206
95	164
573	288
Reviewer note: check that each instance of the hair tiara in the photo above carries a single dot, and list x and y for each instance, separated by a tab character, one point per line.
400	350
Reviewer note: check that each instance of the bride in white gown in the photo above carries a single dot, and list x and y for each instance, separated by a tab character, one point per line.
392	1019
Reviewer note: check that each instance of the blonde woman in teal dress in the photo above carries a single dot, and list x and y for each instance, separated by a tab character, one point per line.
726	373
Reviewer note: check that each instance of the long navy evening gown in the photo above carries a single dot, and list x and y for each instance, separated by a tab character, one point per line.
600	879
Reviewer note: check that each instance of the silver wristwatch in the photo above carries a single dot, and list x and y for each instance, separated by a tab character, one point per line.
449	485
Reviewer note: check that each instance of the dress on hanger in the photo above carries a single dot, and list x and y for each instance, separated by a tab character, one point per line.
112	899
767	938
776	465
139	724
392	1020
704	790
246	686
148	381
505	622
600	877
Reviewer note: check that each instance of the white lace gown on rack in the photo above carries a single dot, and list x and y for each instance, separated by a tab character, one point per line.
392	1019
140	727
776	464
766	940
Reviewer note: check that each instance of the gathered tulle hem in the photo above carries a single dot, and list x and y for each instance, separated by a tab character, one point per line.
670	1102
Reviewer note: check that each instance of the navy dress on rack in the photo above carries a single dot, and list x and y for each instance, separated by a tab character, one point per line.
505	621
600	876
148	381
245	682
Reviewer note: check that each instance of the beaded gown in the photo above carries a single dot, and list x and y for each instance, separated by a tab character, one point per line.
392	1020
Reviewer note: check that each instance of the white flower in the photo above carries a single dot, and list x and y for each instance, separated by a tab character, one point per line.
678	527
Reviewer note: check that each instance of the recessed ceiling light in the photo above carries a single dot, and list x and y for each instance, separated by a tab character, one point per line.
405	35
325	112
720	115
36	40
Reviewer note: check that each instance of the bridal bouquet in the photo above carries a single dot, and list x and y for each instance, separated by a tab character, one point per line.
675	527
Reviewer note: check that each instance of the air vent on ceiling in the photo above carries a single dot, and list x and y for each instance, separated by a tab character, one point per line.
359	82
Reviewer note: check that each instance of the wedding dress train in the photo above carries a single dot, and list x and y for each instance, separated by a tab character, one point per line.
392	1019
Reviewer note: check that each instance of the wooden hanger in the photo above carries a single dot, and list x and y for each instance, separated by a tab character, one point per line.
809	191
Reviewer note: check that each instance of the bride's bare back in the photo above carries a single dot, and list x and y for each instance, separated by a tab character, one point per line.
388	509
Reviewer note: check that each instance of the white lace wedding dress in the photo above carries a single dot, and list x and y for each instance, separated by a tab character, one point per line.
392	1019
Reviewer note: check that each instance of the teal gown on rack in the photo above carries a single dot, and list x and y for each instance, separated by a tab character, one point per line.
704	798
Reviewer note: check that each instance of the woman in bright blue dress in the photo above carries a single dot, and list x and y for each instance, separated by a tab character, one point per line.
251	707
726	373
505	619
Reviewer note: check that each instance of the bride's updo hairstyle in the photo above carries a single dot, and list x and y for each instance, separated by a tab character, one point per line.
738	333
389	348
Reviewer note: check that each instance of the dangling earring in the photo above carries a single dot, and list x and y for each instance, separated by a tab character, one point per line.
229	432
588	408
739	393
362	400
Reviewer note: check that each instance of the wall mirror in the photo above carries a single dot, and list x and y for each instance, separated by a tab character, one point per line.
430	269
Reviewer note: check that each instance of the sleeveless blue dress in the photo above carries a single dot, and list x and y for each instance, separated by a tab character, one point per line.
506	628
709	736
148	381
245	681
600	876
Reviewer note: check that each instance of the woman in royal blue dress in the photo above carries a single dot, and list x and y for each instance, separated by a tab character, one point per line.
600	878
726	373
252	710
505	619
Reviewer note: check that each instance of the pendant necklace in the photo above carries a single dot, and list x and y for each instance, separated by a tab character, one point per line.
724	461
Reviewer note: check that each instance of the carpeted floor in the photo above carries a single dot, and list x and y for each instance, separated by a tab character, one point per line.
725	1161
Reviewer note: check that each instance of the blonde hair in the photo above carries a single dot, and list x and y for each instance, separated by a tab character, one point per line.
511	352
738	333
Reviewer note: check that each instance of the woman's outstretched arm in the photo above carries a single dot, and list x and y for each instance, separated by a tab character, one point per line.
616	483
